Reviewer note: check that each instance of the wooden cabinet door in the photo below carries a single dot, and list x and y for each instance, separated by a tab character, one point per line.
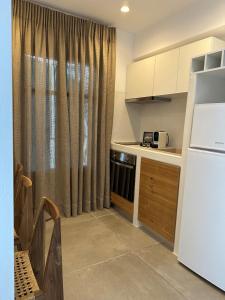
159	184
166	67
140	76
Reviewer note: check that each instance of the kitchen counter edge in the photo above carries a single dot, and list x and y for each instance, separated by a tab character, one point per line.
166	157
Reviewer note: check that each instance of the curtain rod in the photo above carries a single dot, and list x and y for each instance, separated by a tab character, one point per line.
67	13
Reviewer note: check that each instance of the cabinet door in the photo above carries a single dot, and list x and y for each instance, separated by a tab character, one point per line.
166	67
140	76
159	183
186	54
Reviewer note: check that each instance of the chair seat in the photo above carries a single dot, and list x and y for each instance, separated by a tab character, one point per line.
26	286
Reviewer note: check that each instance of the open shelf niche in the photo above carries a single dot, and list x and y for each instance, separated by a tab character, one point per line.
214	60
198	64
210	61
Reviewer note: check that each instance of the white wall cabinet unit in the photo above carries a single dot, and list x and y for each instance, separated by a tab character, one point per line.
140	78
189	51
167	73
166	67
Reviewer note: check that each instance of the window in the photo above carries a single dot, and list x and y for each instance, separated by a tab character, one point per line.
44	78
72	72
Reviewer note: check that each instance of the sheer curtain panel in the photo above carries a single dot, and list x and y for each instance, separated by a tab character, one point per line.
63	88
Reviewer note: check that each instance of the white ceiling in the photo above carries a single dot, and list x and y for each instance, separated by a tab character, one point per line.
143	13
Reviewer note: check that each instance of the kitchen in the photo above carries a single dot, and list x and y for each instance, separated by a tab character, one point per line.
112	165
157	92
165	77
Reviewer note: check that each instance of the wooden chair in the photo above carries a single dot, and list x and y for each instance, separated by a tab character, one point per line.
27	285
23	212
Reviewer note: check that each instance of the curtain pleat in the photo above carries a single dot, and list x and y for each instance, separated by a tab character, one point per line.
63	85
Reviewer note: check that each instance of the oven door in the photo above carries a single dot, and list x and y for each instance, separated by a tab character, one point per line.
122	179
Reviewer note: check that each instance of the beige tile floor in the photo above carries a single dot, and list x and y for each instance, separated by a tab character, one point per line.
106	258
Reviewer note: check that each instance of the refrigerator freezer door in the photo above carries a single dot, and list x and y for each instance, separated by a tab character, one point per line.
208	129
202	237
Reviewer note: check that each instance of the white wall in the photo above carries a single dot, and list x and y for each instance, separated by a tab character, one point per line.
202	17
126	120
6	156
167	116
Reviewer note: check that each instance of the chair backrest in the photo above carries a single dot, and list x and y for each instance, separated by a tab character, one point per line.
49	274
23	212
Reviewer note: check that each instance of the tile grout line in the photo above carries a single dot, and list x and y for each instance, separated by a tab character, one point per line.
94	218
164	279
130	251
98	217
99	263
137	255
89	220
111	258
83	221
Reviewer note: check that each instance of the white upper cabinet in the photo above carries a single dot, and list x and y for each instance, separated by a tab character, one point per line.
140	78
166	67
167	73
189	51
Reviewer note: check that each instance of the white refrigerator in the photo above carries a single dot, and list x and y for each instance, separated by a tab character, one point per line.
202	236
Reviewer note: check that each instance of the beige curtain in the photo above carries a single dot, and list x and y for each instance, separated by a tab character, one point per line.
63	80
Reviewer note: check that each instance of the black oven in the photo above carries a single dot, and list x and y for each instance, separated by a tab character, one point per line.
122	174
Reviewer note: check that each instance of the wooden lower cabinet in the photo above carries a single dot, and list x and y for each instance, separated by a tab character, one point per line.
159	184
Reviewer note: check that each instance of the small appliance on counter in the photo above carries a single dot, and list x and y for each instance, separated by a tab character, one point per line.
155	139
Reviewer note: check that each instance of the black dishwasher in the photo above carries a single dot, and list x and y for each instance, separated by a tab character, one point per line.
122	174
